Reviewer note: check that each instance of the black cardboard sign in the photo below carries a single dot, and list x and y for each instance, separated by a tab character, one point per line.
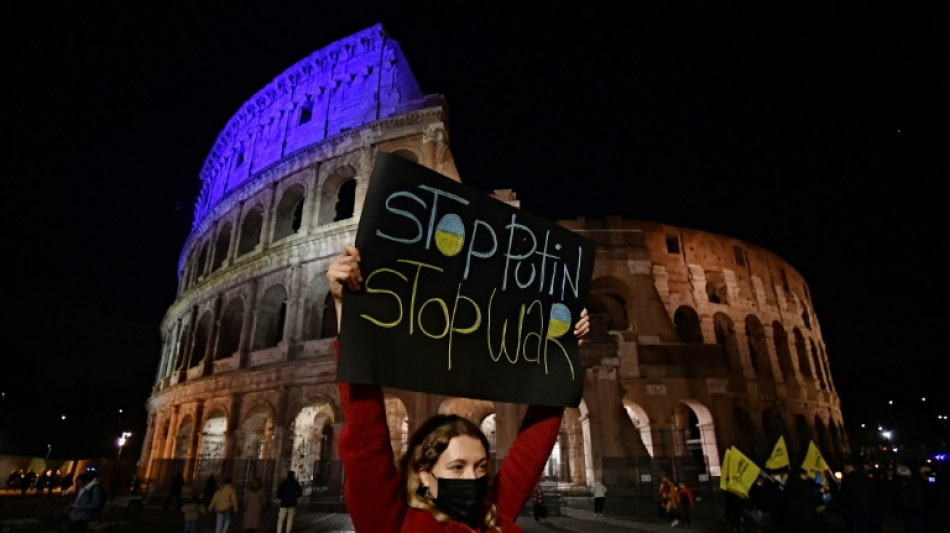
463	295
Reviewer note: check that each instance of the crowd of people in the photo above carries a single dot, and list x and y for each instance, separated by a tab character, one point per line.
48	481
793	501
676	500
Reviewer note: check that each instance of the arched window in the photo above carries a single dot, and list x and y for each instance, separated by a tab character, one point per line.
221	246
251	231
272	313
687	325
346	200
782	352
803	365
289	213
230	335
202	335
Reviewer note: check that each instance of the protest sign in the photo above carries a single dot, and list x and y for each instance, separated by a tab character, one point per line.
463	295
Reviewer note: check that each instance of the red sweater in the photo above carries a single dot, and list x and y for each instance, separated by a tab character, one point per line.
374	493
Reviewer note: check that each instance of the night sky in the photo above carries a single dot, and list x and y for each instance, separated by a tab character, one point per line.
816	131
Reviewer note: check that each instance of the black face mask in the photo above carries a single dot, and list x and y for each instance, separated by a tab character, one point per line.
463	500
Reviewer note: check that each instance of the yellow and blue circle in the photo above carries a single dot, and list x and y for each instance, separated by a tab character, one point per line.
450	235
560	321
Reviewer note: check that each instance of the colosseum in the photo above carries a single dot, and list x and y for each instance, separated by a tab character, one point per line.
700	341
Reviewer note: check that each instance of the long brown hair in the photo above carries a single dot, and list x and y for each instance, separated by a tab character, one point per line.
425	446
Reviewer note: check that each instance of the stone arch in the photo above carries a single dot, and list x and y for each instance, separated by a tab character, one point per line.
331	328
232	320
473	410
802	351
182	357
784	356
725	331
822	370
694	433
221	246
183	438
686	321
315	308
806	318
397	417
202	334
609	297
802	434
312	441
408	155
213	433
257	433
641	421
758	348
251	229
289	213
271	314
335	200
202	260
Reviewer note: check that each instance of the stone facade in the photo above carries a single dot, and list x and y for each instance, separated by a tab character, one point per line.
700	341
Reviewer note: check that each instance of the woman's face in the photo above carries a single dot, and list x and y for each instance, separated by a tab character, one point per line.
464	458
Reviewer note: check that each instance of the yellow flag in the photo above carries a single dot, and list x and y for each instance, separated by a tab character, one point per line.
742	473
779	457
815	465
724	471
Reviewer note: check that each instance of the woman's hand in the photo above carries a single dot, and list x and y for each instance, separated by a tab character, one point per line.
582	327
344	271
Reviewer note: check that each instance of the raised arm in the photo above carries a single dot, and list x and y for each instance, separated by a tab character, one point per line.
525	461
372	488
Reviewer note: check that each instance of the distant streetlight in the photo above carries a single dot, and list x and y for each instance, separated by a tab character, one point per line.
121	442
49	448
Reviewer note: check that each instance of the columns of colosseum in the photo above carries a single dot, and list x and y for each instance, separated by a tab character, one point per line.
214	335
508	418
247	322
269	216
293	325
282	452
232	432
194	443
170	442
309	199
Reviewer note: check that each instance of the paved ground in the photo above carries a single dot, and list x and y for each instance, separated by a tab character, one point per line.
47	515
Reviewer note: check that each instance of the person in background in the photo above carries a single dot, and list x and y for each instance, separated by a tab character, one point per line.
600	496
224	504
861	503
191	511
254	500
90	499
174	493
540	510
288	491
686	503
66	483
210	488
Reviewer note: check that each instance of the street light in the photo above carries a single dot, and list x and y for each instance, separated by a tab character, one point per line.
121	442
49	448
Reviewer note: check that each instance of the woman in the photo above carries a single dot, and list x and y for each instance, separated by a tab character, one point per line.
253	506
443	482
